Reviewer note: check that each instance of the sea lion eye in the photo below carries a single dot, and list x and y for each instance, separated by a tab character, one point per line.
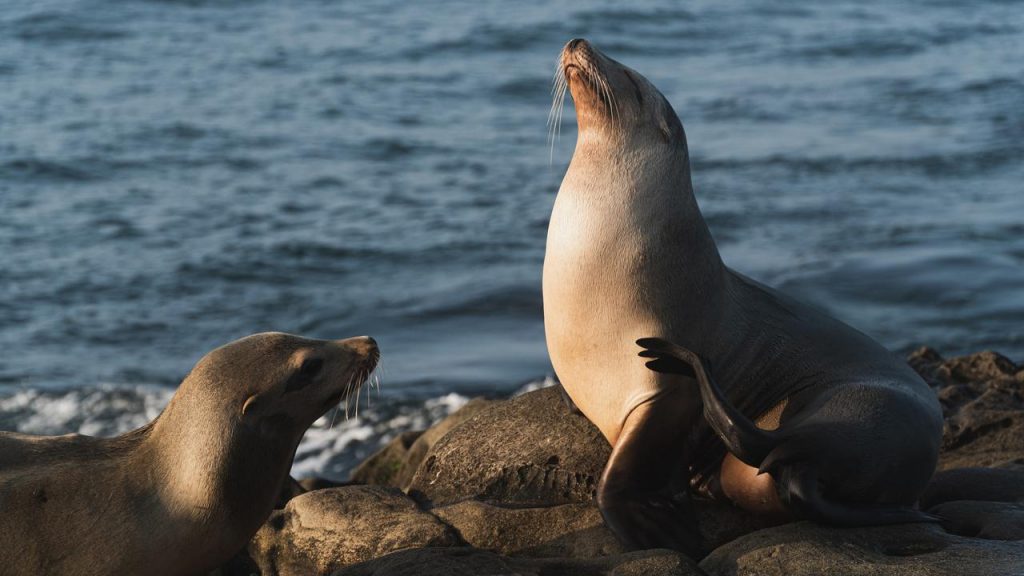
311	367
636	88
304	375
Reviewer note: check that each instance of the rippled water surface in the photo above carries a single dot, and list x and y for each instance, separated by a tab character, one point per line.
177	174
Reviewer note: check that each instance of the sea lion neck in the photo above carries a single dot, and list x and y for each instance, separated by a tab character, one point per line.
210	471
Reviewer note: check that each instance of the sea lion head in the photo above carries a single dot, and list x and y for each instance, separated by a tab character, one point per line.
615	103
224	445
274	382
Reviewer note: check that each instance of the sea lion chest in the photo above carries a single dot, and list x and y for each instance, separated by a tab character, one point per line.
605	285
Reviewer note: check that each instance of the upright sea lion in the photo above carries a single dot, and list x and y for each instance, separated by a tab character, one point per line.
184	493
629	256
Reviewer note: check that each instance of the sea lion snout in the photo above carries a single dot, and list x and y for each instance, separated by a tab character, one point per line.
577	50
365	347
612	98
579	57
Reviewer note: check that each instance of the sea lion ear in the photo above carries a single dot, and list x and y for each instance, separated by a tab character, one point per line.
668	123
666	130
252	404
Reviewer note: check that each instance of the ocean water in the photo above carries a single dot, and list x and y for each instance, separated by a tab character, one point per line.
175	174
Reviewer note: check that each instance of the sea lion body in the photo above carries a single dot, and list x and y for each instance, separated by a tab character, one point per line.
629	256
184	493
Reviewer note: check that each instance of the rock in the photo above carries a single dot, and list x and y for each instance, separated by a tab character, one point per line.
567	530
289	490
472	562
529	450
423	444
515	479
723	522
396	463
532	453
989	484
806	549
323	530
310	483
982	397
980	366
239	565
989	520
383	467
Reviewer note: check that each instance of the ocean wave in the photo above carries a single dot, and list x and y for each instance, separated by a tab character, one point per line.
970	162
38	169
103	410
887	42
331	448
55	27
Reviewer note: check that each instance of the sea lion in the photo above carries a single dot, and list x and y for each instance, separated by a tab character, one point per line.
629	256
185	492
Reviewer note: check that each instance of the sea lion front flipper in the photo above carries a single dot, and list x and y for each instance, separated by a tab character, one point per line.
741	436
634	494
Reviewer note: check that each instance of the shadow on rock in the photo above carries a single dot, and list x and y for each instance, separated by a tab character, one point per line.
471	562
988	520
807	549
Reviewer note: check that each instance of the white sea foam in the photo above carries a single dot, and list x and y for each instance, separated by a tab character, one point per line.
333	451
103	410
331	447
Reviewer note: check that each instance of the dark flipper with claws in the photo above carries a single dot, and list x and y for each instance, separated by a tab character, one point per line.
741	436
635	495
770	451
802	493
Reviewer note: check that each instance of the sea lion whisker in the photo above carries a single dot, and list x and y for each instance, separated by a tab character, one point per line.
609	97
558	90
358	390
348	396
334	415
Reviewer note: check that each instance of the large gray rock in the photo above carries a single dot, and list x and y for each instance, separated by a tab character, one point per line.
529	450
989	484
988	520
723	522
982	398
567	530
396	463
323	530
472	562
808	549
384	466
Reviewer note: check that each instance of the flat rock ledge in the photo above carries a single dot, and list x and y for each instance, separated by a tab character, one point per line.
806	549
506	487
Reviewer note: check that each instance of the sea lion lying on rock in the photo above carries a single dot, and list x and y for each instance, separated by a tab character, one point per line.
182	494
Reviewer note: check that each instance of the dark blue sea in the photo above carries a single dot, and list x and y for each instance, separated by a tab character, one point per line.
176	174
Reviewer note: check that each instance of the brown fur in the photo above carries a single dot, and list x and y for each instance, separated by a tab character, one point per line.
182	494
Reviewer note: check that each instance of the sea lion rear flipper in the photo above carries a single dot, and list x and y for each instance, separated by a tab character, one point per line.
741	436
799	487
634	494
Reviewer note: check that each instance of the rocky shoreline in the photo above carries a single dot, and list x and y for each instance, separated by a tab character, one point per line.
506	487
